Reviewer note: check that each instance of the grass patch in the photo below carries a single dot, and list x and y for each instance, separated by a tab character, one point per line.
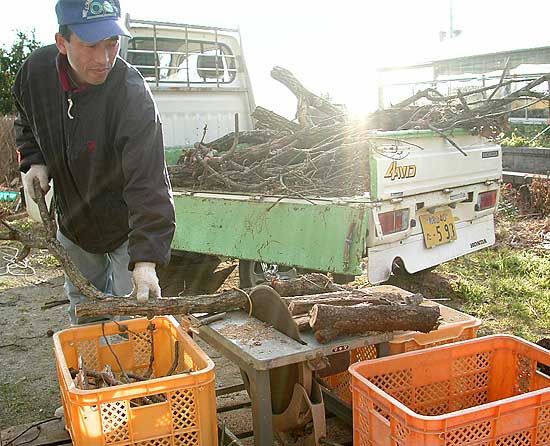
508	289
14	400
51	261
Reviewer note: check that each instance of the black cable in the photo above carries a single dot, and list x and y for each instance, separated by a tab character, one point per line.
114	354
28	429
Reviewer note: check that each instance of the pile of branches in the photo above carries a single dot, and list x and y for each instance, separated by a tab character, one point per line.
323	153
482	110
86	378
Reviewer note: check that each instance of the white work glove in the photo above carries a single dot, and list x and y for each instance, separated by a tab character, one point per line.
36	171
146	281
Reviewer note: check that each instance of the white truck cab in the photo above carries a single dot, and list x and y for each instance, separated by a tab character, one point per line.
198	76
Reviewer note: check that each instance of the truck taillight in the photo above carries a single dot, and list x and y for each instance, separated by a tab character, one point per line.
394	221
486	200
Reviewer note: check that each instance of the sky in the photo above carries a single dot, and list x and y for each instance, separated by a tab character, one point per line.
332	47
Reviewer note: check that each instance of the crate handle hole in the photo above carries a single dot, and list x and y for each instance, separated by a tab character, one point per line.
119	338
148	400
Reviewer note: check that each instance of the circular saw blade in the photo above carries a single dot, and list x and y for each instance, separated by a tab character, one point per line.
267	306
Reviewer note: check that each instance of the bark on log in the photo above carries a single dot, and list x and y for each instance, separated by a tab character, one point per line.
364	318
303	304
314	283
287	79
210	303
126	306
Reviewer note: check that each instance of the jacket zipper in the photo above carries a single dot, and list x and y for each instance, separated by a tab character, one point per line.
68	130
71	103
68	125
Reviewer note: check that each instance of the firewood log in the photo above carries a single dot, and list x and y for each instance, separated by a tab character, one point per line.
363	318
303	304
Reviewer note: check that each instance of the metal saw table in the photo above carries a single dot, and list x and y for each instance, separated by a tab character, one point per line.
257	348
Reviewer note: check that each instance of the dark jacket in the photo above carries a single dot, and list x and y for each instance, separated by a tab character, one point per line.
107	163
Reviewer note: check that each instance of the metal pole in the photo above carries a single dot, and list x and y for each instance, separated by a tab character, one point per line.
155	51
451	25
187	53
216	59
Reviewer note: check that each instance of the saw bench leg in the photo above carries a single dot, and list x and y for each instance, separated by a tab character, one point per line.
261	406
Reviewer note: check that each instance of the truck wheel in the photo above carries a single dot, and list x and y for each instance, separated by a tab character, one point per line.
398	269
342	279
251	273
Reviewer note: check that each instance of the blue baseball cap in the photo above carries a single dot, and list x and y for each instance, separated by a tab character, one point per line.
91	20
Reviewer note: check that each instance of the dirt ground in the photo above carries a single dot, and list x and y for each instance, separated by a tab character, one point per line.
28	383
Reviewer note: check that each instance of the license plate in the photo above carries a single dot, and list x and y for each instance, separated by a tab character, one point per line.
438	228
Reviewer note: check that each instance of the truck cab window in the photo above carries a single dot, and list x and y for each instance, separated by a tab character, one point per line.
171	60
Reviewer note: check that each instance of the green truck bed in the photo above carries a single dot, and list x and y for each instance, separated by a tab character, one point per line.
318	234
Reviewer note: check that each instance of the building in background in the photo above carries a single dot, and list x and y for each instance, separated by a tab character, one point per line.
466	72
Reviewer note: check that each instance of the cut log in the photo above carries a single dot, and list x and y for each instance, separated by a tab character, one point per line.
302	321
364	318
327	335
303	304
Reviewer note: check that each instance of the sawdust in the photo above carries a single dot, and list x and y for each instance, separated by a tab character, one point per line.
252	333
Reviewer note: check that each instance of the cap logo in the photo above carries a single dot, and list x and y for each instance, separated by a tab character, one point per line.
94	9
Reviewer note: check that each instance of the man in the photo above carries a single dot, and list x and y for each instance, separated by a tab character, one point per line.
87	119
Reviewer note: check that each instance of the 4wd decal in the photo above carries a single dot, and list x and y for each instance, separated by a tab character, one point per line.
394	171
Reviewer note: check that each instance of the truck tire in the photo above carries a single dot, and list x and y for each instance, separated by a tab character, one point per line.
251	273
398	269
342	279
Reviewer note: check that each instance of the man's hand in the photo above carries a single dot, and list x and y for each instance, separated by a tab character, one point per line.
146	281
36	171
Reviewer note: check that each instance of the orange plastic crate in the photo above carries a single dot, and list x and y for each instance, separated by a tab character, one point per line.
484	391
106	417
455	326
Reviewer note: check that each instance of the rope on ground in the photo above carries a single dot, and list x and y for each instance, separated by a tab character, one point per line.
11	266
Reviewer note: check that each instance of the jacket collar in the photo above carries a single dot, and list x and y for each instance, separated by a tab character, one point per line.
65	79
